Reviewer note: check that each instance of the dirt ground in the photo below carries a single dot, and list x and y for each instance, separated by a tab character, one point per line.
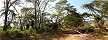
63	37
75	37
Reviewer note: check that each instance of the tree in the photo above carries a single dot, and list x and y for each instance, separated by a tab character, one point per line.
67	15
28	16
99	12
73	19
7	11
39	6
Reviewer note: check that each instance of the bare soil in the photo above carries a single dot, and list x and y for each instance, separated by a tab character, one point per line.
75	37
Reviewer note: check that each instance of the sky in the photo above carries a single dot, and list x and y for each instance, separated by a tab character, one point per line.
76	3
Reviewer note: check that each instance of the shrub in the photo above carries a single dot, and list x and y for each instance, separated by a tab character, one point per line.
85	30
15	33
1	30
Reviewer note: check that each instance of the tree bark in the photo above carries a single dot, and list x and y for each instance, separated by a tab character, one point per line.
6	12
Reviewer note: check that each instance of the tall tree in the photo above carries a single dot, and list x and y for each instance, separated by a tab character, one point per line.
28	15
7	5
67	15
99	12
73	19
39	7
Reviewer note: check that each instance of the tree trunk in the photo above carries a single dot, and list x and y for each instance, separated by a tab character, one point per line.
6	12
35	25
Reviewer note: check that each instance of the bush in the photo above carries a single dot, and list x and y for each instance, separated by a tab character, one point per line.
16	33
1	30
85	30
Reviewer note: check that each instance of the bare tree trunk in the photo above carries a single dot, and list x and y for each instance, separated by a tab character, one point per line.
6	12
35	25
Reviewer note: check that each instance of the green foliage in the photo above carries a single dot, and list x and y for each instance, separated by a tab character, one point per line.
66	16
73	20
99	9
29	16
106	24
85	30
13	32
26	9
87	25
1	30
16	33
98	31
62	1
